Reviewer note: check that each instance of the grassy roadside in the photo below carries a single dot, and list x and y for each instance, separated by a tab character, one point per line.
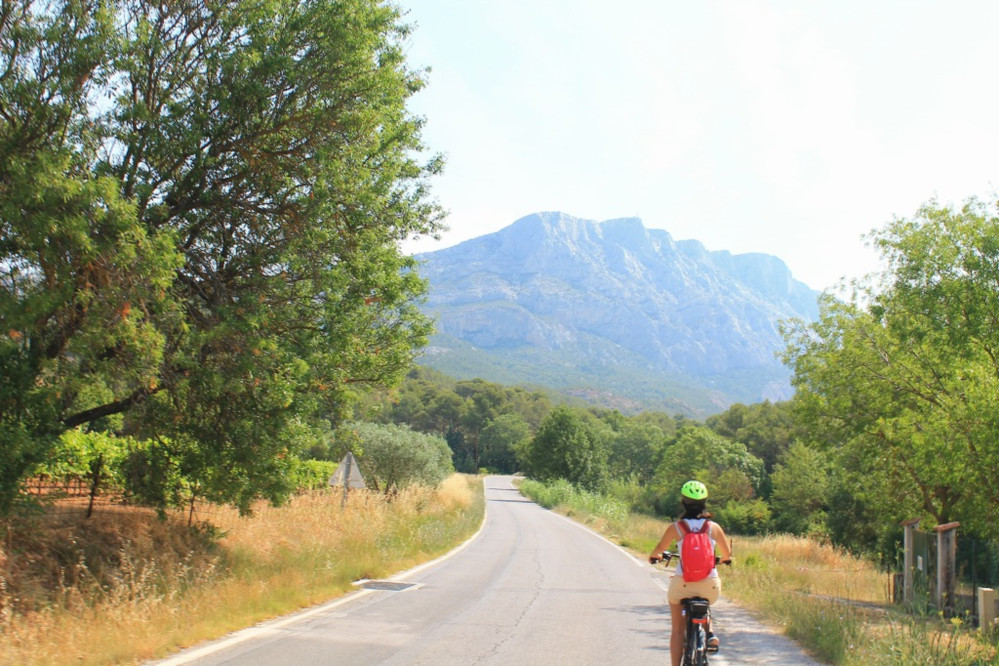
127	588
832	603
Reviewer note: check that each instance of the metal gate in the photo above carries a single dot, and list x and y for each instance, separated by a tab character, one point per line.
977	566
924	582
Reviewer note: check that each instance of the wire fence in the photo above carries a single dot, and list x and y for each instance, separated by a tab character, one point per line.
976	566
72	498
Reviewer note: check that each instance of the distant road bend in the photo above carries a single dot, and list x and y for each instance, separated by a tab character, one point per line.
531	588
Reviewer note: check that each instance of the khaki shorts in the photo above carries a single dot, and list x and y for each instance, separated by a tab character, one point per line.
679	589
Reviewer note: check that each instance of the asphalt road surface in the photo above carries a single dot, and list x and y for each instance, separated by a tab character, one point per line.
531	588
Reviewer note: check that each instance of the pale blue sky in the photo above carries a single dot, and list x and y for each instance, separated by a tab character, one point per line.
785	127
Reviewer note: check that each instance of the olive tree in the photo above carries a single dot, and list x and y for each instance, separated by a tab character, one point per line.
394	456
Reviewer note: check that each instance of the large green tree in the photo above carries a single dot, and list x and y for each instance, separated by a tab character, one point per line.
500	440
201	206
567	447
801	483
903	379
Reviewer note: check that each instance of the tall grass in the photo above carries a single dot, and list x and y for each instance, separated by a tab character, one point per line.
152	599
839	607
836	605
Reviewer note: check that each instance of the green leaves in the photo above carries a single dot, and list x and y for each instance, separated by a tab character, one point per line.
393	457
200	216
903	379
566	447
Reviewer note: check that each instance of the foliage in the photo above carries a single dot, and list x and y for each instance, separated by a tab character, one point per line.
699	453
747	517
767	429
201	214
393	457
635	447
904	377
562	494
565	447
801	483
312	474
461	412
499	441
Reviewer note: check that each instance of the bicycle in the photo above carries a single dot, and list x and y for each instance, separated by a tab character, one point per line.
697	612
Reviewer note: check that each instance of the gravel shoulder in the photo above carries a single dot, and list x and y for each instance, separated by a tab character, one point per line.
747	640
744	637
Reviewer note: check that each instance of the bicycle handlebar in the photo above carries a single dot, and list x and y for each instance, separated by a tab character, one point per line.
667	555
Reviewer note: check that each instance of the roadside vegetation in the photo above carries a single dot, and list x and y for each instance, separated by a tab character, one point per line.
204	302
124	586
834	604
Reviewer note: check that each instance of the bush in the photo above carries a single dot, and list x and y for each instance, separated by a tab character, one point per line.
747	517
562	493
393	456
312	474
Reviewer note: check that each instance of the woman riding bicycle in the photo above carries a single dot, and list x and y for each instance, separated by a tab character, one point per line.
693	497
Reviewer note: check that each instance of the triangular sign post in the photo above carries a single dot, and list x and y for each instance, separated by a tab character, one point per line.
348	475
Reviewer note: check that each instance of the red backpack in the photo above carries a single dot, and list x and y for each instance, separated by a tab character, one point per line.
697	555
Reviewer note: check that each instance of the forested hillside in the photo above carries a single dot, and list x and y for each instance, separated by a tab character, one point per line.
761	478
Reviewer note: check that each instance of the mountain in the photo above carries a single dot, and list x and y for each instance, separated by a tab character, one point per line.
613	312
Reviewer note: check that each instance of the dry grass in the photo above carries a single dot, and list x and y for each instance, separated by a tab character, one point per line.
147	588
807	567
836	605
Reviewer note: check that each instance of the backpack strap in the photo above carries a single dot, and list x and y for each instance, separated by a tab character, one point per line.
683	527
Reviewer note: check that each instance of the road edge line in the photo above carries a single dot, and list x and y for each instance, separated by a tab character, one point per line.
190	654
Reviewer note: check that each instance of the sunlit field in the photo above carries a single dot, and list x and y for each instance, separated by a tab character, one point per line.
128	587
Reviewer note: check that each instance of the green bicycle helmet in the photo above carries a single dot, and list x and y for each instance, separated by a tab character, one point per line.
694	490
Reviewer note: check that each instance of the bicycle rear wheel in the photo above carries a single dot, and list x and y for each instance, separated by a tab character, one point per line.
693	646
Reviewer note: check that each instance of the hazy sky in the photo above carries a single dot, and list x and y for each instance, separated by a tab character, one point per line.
786	127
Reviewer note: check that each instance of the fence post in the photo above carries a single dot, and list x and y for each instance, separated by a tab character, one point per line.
908	559
986	608
946	565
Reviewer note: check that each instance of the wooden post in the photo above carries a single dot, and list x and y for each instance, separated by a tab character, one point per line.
946	566
909	559
986	609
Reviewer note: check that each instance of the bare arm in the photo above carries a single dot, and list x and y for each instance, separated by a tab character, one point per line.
669	537
721	540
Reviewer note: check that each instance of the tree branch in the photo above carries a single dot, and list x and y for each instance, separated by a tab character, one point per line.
116	407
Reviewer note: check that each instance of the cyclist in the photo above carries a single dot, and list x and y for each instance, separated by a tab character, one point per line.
693	496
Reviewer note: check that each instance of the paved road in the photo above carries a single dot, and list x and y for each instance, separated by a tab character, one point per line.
531	588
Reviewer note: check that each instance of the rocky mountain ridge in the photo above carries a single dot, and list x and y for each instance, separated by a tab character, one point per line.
615	310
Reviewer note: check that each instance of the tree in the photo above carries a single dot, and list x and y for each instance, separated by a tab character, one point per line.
766	428
904	376
200	217
500	439
635	448
801	490
565	447
484	401
393	457
697	451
